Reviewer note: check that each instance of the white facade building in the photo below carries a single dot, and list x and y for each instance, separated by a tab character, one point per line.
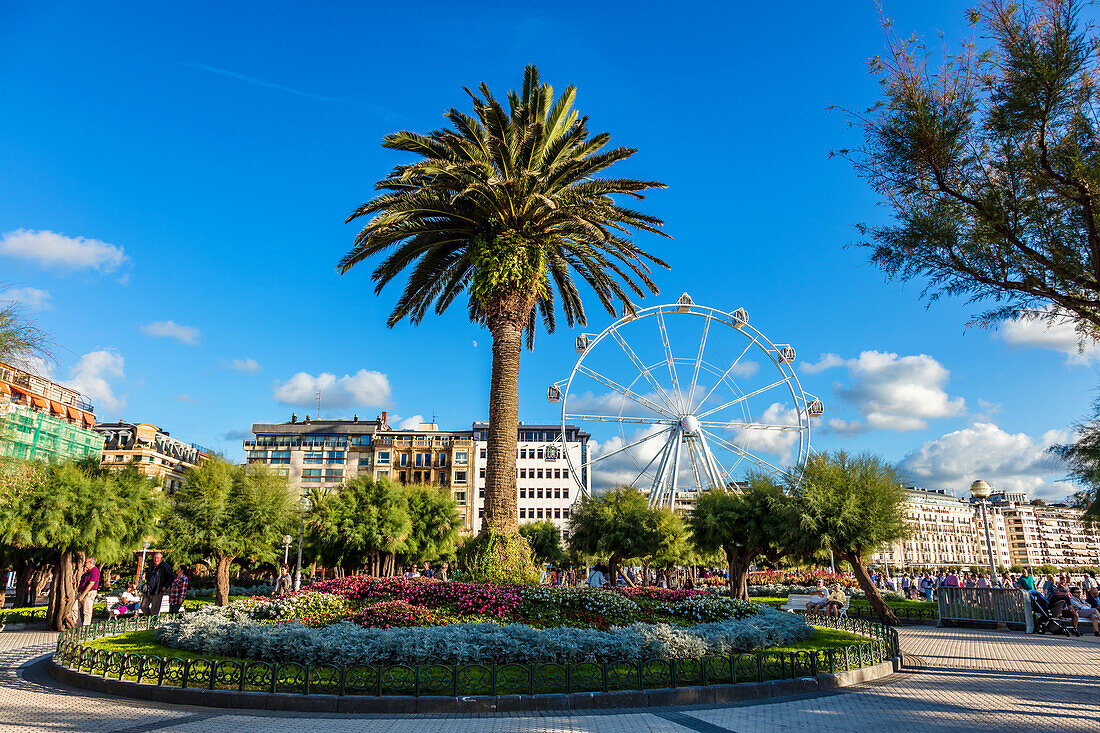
545	486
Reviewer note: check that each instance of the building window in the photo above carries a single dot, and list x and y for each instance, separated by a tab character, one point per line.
565	473
540	453
482	452
557	473
311	458
417	477
462	457
522	492
522	513
540	492
481	473
383	457
443	479
404	459
557	513
540	512
420	459
308	473
383	474
442	459
557	493
540	473
481	512
523	473
460	498
481	493
277	456
565	493
522	452
460	477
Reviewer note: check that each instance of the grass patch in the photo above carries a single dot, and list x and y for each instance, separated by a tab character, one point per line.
823	638
902	608
29	614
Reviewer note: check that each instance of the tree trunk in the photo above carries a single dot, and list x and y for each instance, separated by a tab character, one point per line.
221	579
884	612
739	571
24	576
506	320
59	614
613	569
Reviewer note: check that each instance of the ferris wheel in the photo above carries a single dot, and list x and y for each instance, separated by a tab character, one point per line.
681	398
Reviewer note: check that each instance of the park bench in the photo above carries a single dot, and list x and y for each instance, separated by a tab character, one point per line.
797	603
115	600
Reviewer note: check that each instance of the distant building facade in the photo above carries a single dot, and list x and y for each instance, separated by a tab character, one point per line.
42	420
314	453
153	451
948	531
544	486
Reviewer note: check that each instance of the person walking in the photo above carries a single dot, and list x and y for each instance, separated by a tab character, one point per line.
158	579
86	592
177	592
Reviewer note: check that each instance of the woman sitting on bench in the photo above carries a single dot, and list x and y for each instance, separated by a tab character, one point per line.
836	602
819	597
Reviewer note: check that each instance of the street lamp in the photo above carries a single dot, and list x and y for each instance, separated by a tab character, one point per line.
304	506
980	490
287	539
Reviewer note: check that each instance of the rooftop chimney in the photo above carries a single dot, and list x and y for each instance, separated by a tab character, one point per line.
355	418
293	417
307	419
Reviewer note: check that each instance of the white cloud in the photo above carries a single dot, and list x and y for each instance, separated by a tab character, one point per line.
238	435
249	366
827	361
171	329
624	467
50	249
93	376
365	388
614	403
846	428
1016	462
776	443
1058	335
409	423
189	399
33	298
899	393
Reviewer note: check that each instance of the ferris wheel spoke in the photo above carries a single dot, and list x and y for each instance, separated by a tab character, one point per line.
641	473
713	468
649	437
642	369
698	361
644	402
746	454
620	419
670	360
692	447
730	368
747	426
742	398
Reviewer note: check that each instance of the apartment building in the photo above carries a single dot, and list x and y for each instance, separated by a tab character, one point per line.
153	451
42	420
949	531
428	455
314	453
545	487
325	453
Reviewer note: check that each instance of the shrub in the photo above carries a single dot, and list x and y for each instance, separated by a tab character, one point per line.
388	614
210	631
308	607
498	558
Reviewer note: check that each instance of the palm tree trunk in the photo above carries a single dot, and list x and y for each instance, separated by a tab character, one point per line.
884	612
501	514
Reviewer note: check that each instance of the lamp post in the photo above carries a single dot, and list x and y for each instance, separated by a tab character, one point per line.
980	490
304	506
287	539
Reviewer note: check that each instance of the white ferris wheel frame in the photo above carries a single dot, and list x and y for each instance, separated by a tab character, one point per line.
683	427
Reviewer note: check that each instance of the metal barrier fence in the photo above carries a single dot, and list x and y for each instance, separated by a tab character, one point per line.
467	679
1006	607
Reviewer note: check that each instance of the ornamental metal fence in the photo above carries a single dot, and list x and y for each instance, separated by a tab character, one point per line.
456	680
1006	607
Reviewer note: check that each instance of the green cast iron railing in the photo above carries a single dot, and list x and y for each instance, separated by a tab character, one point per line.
456	680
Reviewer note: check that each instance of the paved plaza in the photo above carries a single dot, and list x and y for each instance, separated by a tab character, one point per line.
955	679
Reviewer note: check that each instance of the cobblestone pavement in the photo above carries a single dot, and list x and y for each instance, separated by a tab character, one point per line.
960	679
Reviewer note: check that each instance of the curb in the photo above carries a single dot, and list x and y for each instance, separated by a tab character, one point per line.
474	704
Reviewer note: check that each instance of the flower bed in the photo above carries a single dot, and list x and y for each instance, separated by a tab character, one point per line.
212	631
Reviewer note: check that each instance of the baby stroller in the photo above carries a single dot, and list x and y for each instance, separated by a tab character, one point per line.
1048	617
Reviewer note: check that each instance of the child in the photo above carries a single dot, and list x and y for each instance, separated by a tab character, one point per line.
128	602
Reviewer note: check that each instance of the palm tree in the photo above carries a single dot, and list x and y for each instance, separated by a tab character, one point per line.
505	206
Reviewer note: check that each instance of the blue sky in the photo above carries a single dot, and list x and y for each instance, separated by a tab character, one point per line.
174	182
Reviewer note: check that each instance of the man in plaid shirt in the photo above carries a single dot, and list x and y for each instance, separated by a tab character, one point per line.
178	591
